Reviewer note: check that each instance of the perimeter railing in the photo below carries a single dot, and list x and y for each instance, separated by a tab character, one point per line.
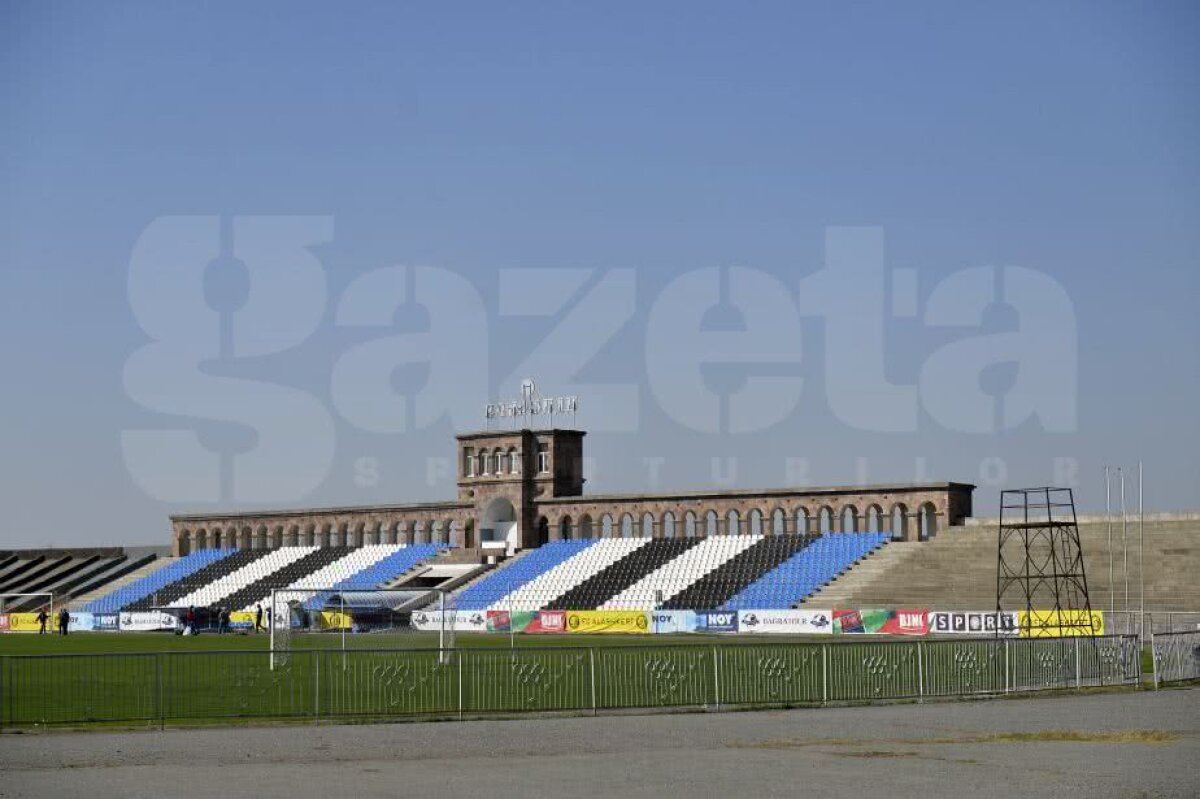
1176	657
179	687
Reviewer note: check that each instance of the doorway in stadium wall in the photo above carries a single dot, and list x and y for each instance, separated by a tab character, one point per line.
498	527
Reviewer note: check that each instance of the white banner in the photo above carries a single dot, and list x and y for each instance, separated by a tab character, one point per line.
464	621
795	622
673	621
972	622
147	621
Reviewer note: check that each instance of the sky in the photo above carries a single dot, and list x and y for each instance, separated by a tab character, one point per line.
278	254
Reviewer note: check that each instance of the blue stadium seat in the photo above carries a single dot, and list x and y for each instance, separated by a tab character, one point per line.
140	589
807	571
513	575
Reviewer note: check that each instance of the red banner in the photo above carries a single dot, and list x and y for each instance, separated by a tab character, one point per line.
548	621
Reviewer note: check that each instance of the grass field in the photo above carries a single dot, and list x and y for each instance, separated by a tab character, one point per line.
154	677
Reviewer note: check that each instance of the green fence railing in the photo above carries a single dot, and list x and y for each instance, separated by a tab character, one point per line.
208	686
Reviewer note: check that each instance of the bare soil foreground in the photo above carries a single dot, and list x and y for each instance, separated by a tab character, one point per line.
1114	745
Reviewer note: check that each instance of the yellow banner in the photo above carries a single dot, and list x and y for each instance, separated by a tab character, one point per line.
240	619
1052	624
332	620
28	623
608	621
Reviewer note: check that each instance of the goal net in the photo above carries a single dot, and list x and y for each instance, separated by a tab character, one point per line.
363	619
29	602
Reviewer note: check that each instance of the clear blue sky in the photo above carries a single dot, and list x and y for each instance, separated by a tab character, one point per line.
627	151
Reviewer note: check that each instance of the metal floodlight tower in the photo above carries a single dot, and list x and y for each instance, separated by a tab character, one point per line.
1039	566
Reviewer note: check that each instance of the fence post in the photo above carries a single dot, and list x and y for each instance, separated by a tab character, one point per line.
316	684
1007	666
716	680
158	683
1153	660
3	682
825	673
1079	671
920	673
592	658
458	655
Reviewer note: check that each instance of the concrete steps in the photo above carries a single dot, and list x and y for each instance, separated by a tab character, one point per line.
121	582
957	569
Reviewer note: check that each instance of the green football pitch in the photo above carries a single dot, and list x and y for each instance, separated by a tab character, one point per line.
87	678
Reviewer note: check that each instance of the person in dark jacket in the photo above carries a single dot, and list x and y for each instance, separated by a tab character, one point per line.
258	614
42	618
64	621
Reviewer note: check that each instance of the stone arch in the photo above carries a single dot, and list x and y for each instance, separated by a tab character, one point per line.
275	537
585	526
245	536
848	519
420	532
778	522
668	525
200	539
543	530
754	523
564	528
689	525
733	522
873	521
606	526
469	541
307	535
899	522
927	519
496	519
647	530
803	521
185	542
825	520
627	525
712	524
292	537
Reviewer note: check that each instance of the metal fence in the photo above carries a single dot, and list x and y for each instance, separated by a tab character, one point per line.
180	687
1129	622
1176	657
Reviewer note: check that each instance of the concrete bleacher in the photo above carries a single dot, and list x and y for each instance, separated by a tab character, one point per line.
66	573
956	570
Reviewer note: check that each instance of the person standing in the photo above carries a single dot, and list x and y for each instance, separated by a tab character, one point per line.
42	619
258	616
64	621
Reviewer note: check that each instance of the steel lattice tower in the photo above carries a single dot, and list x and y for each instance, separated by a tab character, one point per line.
1040	562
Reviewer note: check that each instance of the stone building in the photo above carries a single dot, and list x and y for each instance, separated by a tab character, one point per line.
521	488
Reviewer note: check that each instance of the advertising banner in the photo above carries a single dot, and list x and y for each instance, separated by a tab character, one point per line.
28	623
877	621
785	622
673	621
608	621
547	621
329	620
107	622
716	621
465	621
1058	624
241	620
81	622
147	621
966	622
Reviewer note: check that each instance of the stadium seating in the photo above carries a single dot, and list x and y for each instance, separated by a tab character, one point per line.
499	587
646	556
292	573
382	570
694	566
748	565
217	591
806	571
227	562
145	588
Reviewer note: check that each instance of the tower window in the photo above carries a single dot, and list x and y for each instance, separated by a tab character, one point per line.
543	458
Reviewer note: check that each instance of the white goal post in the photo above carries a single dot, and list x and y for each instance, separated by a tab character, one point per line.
4	597
357	612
